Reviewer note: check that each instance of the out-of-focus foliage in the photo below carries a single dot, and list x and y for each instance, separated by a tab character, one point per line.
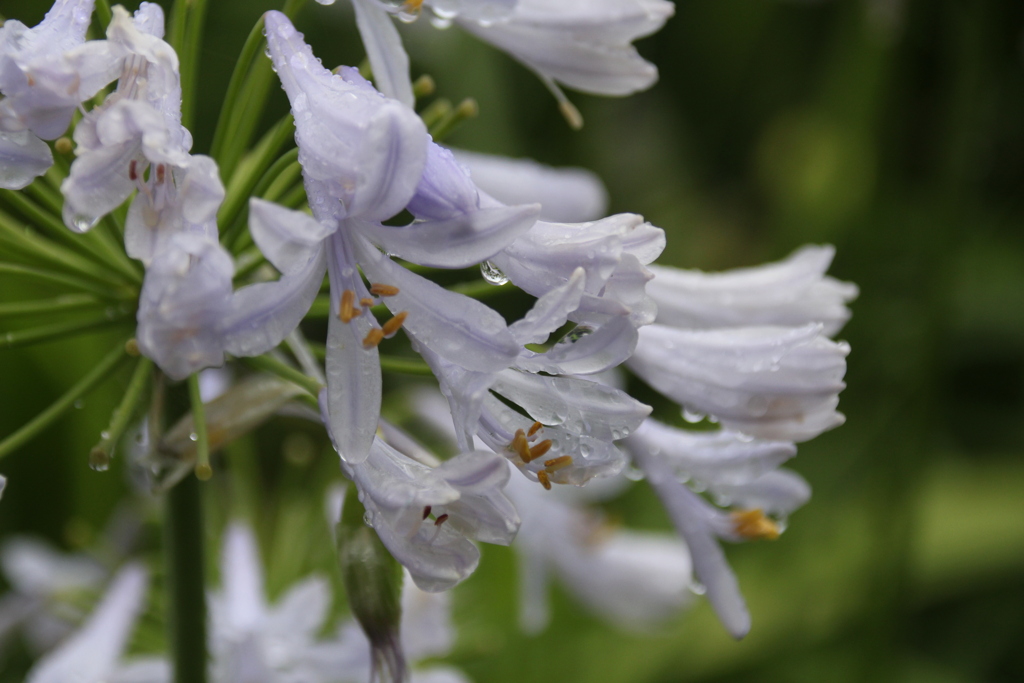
891	128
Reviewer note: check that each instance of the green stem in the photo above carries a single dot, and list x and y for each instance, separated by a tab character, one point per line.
103	13
189	57
44	419
58	304
253	171
46	222
65	280
245	60
183	550
44	333
203	470
284	371
100	455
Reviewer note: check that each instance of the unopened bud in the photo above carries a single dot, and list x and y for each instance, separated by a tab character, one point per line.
373	581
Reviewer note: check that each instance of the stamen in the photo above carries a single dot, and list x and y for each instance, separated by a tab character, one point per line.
540	449
368	302
753	525
133	171
31	81
161	172
426	511
347	310
544	479
394	325
559	463
536	427
383	290
520	445
373	338
441	520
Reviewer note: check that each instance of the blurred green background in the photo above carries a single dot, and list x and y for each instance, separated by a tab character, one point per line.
893	129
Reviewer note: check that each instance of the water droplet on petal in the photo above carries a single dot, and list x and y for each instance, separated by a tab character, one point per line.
193	437
692	417
492	274
81	222
698	588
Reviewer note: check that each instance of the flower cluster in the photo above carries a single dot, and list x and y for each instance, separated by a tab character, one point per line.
531	405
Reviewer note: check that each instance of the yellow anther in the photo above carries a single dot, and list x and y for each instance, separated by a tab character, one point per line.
520	445
441	520
539	450
544	479
752	524
559	463
383	290
373	338
347	310
534	428
395	324
367	301
412	6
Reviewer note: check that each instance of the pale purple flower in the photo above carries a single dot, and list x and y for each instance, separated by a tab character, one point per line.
749	350
93	653
365	158
45	74
583	44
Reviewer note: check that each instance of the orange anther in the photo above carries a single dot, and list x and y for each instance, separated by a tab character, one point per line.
540	449
752	524
534	428
373	338
383	290
367	301
347	309
559	463
395	324
544	479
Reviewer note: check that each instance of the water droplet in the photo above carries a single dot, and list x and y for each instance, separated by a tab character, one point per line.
81	222
193	437
492	274
575	334
79	404
691	416
441	23
104	435
99	460
698	588
633	474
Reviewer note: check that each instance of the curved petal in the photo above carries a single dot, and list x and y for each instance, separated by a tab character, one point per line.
289	239
384	49
263	314
550	311
588	353
23	158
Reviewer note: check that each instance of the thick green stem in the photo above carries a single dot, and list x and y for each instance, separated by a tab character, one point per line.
183	551
203	470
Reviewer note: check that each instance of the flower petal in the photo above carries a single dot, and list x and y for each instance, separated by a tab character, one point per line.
289	239
23	158
384	49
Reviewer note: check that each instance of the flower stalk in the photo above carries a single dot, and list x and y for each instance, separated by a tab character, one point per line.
183	552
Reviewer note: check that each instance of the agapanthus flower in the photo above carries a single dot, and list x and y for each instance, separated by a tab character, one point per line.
631	578
94	652
749	350
582	44
46	72
427	512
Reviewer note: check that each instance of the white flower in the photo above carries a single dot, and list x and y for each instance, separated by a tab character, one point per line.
93	653
253	642
750	350
793	292
45	74
565	195
583	44
426	514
